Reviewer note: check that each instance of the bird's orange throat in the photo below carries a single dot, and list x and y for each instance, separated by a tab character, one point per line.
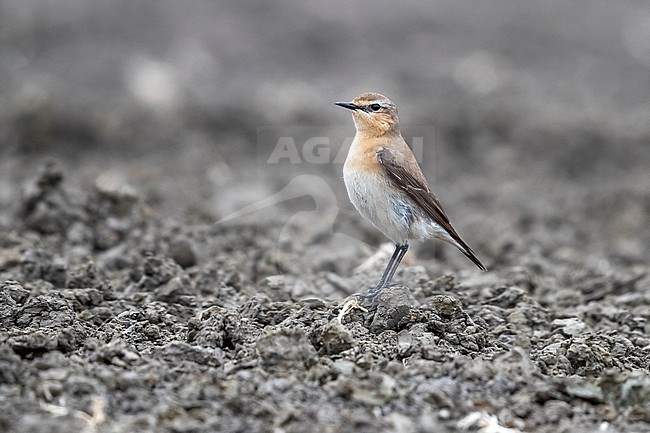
375	126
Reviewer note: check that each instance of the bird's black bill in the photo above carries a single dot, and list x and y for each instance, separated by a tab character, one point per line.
348	105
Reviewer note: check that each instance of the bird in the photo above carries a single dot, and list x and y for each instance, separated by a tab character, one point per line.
387	187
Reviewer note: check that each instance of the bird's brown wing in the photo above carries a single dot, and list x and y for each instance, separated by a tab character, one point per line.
412	182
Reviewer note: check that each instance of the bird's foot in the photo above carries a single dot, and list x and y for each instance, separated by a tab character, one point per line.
351	303
360	301
370	297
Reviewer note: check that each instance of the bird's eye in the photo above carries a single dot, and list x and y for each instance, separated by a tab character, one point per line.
375	107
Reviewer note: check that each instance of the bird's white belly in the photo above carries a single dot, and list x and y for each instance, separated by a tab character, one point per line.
390	210
387	208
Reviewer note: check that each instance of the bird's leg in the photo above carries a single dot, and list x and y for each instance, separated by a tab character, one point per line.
402	253
393	264
352	302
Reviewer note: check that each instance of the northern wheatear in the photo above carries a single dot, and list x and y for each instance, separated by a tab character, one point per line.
386	185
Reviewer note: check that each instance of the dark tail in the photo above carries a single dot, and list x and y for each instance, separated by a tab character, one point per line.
459	243
470	254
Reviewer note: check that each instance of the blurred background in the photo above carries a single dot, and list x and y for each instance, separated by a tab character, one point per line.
538	113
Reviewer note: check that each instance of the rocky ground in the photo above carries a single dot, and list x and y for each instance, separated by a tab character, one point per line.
136	295
115	319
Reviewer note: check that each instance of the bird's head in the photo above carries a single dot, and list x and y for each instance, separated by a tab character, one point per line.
373	114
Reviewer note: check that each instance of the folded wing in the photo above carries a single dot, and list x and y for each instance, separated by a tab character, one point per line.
416	188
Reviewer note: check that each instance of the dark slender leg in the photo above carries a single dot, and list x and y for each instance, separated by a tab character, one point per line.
402	253
371	296
393	264
385	277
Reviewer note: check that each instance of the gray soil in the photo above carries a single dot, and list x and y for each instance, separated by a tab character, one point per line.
134	296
